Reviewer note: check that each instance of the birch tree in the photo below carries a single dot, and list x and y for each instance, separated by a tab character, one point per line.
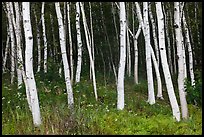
121	69
64	57
145	26
167	76
44	37
12	42
79	44
29	64
188	43
70	43
88	43
182	94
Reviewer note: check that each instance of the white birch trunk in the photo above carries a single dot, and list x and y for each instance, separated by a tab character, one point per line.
188	43
88	42
19	52
79	44
121	69
44	37
151	96
168	39
182	94
64	57
136	55
159	84
166	71
18	43
70	43
12	42
29	64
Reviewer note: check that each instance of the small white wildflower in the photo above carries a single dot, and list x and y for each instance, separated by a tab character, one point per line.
65	93
17	107
107	110
9	101
3	98
77	91
116	119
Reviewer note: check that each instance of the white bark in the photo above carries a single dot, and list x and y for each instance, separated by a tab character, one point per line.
136	55
70	43
19	52
64	57
159	84
29	64
12	42
44	37
121	70
182	94
88	42
18	43
79	44
188	43
167	76
168	39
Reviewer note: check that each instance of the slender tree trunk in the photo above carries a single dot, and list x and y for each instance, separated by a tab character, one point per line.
159	84
38	41
166	17
188	43
70	43
19	53
121	70
29	64
6	50
155	38
166	71
145	28
64	57
182	94
136	55
79	44
12	42
88	42
44	37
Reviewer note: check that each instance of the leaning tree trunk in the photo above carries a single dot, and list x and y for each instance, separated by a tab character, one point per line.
166	71
145	27
188	43
121	69
64	57
182	94
29	64
79	44
88	42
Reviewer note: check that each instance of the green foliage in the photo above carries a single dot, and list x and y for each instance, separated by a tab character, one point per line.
194	93
89	116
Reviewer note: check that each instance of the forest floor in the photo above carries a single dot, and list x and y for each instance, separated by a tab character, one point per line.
89	116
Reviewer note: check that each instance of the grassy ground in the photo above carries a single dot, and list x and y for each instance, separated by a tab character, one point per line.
89	116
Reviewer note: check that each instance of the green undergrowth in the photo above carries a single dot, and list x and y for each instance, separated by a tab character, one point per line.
90	116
